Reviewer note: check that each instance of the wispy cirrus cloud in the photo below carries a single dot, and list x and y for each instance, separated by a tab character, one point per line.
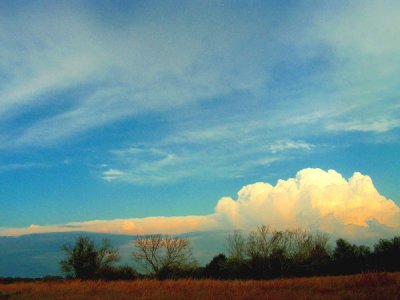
223	151
21	166
341	58
126	70
290	145
375	126
365	65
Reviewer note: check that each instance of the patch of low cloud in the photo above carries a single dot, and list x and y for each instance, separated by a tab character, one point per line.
290	145
112	174
149	225
315	199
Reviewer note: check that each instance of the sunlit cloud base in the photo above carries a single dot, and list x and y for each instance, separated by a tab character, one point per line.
315	199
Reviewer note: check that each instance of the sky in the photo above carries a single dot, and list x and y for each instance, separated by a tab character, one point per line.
136	117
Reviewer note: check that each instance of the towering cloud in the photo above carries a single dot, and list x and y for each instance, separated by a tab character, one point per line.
314	199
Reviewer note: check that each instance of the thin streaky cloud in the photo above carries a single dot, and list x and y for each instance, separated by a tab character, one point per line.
21	166
143	81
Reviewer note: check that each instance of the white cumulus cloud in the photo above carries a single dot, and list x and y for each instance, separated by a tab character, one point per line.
315	199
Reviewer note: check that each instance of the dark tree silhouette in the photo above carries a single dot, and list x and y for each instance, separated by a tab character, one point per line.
387	254
349	258
116	273
217	267
84	261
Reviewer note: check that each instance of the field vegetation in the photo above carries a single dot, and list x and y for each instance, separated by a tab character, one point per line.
360	286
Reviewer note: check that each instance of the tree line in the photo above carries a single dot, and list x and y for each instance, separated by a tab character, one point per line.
261	254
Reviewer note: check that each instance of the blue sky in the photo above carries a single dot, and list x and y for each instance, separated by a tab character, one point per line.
133	109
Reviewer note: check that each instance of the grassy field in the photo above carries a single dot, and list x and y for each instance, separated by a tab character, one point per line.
362	286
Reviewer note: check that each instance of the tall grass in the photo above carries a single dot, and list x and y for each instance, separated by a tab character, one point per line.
361	286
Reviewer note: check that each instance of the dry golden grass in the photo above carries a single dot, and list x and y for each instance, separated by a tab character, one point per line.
362	286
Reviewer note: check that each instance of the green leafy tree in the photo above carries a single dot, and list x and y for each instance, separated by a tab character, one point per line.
85	261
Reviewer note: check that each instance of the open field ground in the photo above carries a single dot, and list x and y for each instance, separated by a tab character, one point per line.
362	286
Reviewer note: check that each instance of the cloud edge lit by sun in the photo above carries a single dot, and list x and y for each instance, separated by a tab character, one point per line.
314	199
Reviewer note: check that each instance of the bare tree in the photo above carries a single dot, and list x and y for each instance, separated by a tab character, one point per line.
236	246
259	243
177	251
158	252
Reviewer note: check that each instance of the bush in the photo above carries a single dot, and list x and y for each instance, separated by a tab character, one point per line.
116	273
